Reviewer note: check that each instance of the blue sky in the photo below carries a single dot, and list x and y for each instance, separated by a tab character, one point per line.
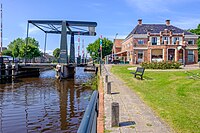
112	16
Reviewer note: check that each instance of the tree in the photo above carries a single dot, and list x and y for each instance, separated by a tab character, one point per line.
197	31
30	51
106	48
56	53
7	52
18	48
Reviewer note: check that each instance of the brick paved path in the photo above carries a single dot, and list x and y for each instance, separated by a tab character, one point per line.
135	116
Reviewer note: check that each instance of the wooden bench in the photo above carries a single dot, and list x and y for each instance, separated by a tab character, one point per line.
139	71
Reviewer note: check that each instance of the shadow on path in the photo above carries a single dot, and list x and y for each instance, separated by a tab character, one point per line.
127	123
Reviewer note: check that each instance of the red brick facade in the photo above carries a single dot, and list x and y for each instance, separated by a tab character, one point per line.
163	46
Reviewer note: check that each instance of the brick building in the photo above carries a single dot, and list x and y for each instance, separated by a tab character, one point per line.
158	42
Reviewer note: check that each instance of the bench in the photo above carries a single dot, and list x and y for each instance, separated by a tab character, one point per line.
139	71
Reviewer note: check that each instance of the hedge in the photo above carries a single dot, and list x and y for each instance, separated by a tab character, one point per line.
161	65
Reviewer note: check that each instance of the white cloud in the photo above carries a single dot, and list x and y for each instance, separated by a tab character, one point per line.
50	52
112	37
34	30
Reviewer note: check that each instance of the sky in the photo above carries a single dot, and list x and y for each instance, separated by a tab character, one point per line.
112	17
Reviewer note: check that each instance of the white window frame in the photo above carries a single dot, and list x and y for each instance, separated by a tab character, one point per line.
141	40
174	40
155	41
191	54
192	41
142	59
168	39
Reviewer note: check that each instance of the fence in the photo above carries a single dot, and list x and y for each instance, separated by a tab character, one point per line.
89	121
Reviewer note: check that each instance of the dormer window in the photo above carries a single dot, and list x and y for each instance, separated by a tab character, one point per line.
140	41
191	42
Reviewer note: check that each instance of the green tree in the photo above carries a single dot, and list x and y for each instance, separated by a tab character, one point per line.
106	48
197	31
7	52
18	48
56	53
30	51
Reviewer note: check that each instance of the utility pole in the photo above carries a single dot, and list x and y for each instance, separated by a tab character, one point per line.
1	30
101	46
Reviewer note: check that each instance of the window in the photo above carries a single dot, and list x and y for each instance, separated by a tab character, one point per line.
190	42
156	55
190	56
175	39
171	54
154	40
140	41
165	38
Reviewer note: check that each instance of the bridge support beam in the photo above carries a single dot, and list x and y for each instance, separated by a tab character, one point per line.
63	44
72	50
65	71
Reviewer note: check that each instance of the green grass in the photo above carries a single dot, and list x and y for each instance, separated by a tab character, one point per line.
172	95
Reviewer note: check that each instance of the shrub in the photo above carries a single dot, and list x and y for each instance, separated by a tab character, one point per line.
161	65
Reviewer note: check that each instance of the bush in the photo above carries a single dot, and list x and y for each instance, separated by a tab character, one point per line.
161	65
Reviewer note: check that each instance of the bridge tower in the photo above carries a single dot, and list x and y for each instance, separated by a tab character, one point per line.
66	70
72	50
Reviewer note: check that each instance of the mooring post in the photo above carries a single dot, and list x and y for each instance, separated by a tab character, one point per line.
115	114
6	70
14	70
106	78
0	71
108	87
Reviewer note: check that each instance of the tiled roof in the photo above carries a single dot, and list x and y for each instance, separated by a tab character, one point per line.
156	28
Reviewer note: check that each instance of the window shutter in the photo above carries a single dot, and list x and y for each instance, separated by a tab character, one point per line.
150	39
168	40
173	41
180	40
158	40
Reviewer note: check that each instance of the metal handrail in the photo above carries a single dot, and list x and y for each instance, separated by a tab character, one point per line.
89	121
107	73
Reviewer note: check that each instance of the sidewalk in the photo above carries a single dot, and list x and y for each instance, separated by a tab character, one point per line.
135	116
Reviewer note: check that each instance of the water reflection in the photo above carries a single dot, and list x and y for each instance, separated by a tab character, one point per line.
44	104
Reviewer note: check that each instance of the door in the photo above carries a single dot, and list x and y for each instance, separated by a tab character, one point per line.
180	52
140	56
171	54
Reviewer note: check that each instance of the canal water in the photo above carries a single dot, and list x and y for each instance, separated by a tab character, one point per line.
44	104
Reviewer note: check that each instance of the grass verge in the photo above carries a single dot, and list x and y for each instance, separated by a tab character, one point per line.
174	96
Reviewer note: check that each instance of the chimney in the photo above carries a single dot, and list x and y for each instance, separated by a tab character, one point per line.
139	21
167	22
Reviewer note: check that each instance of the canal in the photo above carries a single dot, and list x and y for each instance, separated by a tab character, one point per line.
44	104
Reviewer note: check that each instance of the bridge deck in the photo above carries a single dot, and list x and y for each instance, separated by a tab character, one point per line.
44	65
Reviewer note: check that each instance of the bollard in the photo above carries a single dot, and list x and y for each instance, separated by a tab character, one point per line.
106	78
115	114
13	71
108	87
6	70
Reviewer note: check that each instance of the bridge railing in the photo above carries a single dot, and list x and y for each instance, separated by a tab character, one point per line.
89	121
